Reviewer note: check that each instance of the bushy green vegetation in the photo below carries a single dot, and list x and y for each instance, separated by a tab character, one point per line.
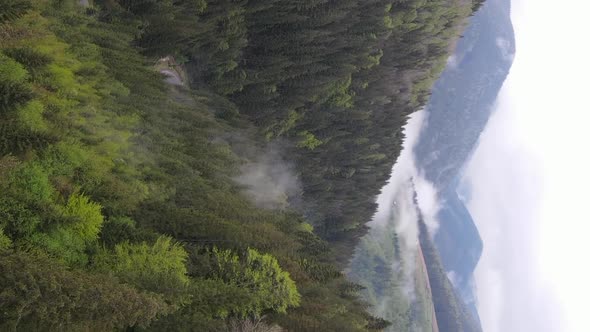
118	206
38	294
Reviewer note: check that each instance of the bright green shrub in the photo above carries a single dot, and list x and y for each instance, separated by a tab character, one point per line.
159	267
86	217
308	140
269	286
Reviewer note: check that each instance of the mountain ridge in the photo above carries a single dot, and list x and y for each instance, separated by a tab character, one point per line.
461	103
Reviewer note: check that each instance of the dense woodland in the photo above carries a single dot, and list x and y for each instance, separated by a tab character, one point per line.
336	78
118	205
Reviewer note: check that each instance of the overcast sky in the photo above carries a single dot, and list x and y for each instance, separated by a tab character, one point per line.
530	178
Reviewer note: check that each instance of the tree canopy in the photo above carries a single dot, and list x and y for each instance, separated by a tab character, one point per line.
119	204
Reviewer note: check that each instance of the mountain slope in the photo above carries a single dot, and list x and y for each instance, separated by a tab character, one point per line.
458	110
151	191
461	103
457	240
452	314
462	98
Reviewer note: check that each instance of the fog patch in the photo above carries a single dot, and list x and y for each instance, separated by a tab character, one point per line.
397	203
428	203
403	170
405	218
452	62
505	48
454	278
398	194
268	180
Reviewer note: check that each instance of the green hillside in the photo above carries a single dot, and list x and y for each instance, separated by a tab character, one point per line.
119	205
451	313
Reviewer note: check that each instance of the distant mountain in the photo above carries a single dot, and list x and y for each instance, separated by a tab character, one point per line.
458	111
458	224
462	98
459	245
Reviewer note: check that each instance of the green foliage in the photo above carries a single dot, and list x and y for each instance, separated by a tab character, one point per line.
31	115
212	302
30	58
5	241
268	286
159	267
100	158
30	182
308	140
37	293
325	75
11	71
477	4
120	229
85	216
13	89
74	229
13	9
18	220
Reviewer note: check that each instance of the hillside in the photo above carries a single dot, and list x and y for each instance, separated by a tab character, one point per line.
127	202
461	103
425	293
458	241
462	99
452	314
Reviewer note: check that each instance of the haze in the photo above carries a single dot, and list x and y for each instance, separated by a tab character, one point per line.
530	178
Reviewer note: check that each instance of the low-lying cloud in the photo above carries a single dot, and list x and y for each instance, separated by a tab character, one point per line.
505	48
396	203
269	181
505	182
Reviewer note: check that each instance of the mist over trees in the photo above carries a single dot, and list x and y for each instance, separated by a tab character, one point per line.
118	201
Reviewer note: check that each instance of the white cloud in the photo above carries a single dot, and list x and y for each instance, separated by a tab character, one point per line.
454	278
268	181
504	46
396	201
506	184
428	202
530	177
397	196
452	62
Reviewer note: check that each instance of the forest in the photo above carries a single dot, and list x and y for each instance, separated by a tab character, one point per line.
119	204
